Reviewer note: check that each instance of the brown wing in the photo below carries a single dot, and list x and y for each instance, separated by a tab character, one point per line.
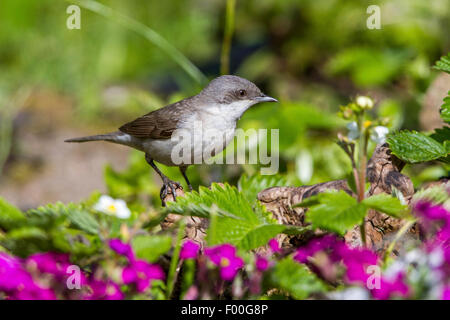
158	124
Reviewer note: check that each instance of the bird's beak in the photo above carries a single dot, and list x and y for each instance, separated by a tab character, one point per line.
265	98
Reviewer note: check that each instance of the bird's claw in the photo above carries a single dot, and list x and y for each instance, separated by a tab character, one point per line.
169	185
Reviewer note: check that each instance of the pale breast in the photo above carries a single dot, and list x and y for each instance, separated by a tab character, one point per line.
199	138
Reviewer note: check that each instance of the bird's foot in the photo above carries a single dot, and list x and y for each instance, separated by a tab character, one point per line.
169	187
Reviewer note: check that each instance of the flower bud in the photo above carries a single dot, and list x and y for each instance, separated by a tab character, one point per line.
364	102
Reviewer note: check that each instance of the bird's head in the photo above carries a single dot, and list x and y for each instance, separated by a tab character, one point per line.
234	94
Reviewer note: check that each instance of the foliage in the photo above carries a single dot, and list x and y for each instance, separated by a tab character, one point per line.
296	279
443	64
239	221
414	147
119	67
338	212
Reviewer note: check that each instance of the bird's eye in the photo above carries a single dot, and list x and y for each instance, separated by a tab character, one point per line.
242	93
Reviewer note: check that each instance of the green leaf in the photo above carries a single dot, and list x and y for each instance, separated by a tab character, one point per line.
443	64
296	279
52	214
445	109
251	186
26	233
385	203
237	221
83	220
10	216
414	147
150	248
442	134
335	211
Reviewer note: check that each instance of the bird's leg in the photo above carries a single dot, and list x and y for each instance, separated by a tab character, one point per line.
167	183
183	172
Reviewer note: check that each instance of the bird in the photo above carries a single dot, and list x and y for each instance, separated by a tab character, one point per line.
214	111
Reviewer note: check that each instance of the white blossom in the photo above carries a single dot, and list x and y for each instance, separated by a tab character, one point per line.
436	258
379	134
115	207
354	293
364	102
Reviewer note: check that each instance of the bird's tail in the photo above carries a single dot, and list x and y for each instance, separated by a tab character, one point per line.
112	137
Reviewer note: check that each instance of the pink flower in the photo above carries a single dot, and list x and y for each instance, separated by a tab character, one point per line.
122	248
104	290
17	283
191	293
53	263
326	242
274	246
142	273
189	250
446	293
262	264
225	257
388	289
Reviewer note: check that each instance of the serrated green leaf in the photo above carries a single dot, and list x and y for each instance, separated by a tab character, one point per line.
441	135
10	216
445	109
443	64
83	220
150	248
336	211
237	221
385	203
53	214
251	186
296	279
414	147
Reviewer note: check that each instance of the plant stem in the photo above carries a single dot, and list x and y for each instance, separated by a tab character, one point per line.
362	157
227	36
174	262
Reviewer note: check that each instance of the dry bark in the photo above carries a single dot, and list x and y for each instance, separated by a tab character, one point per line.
195	226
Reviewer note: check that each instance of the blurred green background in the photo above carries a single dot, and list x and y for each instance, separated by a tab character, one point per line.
313	55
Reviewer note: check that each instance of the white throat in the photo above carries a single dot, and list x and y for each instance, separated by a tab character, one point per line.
230	112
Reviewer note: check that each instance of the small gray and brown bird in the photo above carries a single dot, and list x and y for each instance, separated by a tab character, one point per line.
213	112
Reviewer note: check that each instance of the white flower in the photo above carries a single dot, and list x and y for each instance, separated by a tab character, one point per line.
114	207
353	131
379	134
436	258
416	256
394	269
364	102
354	293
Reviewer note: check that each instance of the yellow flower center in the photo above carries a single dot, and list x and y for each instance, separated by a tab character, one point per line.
224	262
112	208
367	124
